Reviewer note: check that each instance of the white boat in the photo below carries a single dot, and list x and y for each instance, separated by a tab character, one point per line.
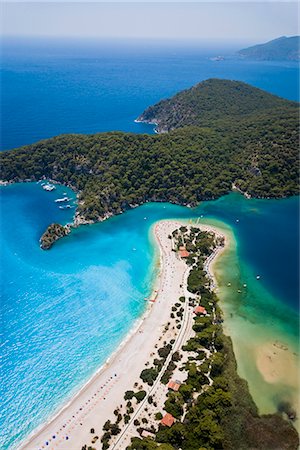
61	200
66	207
49	187
258	277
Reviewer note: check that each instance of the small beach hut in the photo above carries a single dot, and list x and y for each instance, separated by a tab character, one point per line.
183	253
174	385
200	310
167	420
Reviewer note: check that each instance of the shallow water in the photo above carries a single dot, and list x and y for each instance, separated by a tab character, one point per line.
65	310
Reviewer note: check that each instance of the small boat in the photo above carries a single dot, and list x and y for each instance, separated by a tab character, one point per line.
245	285
239	291
257	277
145	218
61	200
66	207
228	284
49	187
237	220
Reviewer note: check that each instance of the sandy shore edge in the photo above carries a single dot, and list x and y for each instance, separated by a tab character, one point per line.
109	377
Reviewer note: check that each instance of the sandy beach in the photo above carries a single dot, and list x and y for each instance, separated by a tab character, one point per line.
277	363
95	403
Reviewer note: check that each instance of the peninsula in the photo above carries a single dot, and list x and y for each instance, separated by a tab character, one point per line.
173	382
212	137
280	49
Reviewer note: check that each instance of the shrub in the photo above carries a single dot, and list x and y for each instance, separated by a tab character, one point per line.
128	395
149	375
140	396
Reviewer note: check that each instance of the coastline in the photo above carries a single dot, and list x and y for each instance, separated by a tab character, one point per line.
267	356
110	376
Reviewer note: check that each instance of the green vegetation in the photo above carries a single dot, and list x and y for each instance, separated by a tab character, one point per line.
226	132
54	232
149	375
213	101
283	48
219	410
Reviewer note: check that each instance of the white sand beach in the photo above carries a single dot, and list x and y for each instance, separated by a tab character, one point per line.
97	400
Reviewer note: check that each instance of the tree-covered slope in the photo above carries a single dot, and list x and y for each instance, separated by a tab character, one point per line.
283	48
257	150
210	100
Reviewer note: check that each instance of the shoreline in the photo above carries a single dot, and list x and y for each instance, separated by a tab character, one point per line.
132	332
113	365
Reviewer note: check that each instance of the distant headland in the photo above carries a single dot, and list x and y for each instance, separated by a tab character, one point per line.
282	48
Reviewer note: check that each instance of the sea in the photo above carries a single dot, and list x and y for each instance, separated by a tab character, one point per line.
64	311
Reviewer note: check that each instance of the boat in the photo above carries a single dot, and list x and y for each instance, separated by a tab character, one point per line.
245	285
49	187
60	200
228	284
239	291
217	58
257	277
66	207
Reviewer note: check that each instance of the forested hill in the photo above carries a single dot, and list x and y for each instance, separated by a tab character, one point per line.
251	140
283	48
211	100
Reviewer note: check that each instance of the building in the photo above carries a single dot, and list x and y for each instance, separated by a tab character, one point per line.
167	420
174	385
146	433
200	310
183	253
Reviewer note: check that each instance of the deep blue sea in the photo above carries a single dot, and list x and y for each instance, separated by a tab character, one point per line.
50	88
65	310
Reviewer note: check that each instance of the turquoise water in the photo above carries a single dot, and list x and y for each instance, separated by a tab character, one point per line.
65	310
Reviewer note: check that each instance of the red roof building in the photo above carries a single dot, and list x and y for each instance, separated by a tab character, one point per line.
200	310
167	420
174	385
183	253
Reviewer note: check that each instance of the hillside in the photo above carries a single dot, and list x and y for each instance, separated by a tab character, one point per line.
283	48
210	100
250	139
